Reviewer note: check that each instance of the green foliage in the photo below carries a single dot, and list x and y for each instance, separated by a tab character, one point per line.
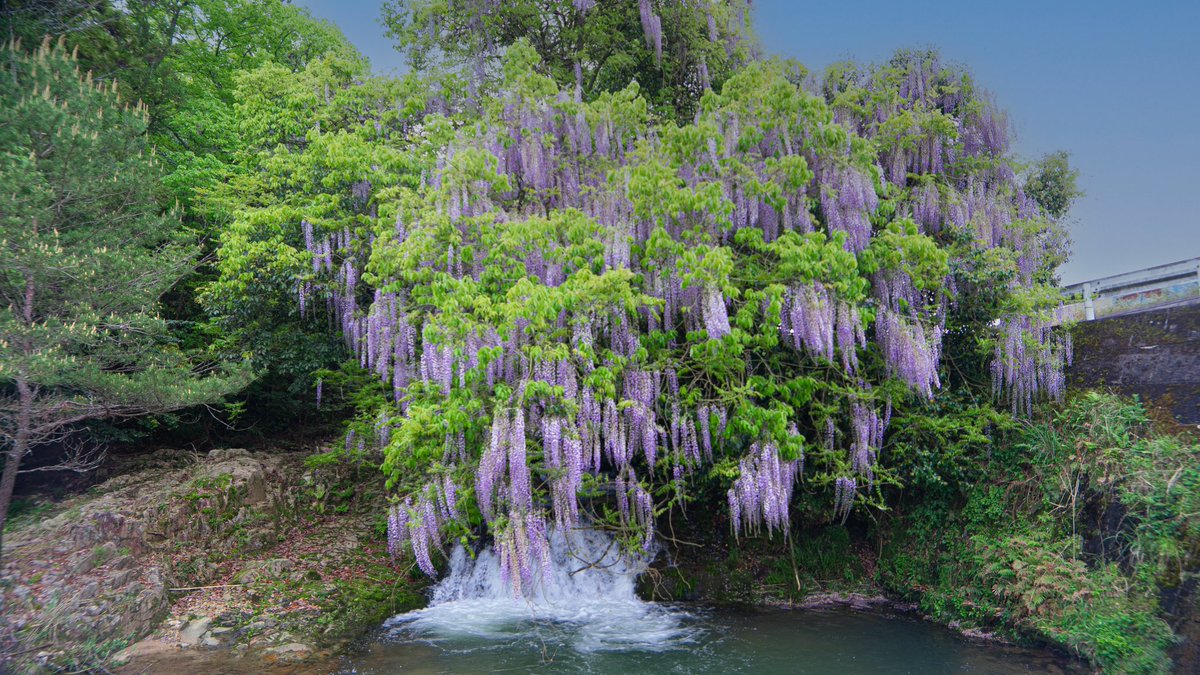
308	138
1054	184
181	59
607	43
936	448
1067	529
27	511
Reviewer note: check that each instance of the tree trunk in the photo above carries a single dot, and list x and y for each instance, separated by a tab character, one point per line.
13	461
7	482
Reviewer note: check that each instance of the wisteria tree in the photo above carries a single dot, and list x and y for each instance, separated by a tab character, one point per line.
86	250
585	308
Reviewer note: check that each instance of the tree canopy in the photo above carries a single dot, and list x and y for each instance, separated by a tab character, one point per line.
1053	184
673	50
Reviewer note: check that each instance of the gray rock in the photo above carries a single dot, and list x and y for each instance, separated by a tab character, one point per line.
264	569
290	648
210	641
220	454
146	648
294	651
83	565
194	631
121	578
259	538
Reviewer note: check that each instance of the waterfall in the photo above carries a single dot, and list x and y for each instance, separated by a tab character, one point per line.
585	601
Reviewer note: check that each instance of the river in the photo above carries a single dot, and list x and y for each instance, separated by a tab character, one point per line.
584	617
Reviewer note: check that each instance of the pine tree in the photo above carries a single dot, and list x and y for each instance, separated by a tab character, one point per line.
86	251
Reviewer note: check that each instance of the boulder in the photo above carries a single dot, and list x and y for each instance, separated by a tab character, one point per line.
194	632
294	651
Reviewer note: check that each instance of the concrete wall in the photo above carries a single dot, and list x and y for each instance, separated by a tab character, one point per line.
1155	354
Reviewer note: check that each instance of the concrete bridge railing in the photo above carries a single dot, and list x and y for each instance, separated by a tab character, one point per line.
1152	287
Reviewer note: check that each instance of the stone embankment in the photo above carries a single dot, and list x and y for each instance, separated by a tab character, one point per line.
1154	354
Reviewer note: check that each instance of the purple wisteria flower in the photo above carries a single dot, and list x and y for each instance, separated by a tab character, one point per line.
762	493
1030	362
844	490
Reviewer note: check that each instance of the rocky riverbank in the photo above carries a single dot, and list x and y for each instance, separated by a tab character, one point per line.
244	553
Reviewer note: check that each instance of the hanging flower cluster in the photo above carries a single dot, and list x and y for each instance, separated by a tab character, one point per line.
763	492
815	322
910	350
867	427
523	544
847	199
845	489
420	523
652	26
636	506
1031	357
926	208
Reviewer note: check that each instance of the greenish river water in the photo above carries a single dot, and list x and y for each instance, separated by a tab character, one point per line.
582	615
836	641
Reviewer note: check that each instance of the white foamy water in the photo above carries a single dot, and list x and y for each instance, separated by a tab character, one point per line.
586	602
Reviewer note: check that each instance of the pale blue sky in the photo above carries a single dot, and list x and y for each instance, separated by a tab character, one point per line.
1115	83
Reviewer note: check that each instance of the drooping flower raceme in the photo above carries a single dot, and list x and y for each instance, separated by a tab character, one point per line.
1030	359
762	493
912	351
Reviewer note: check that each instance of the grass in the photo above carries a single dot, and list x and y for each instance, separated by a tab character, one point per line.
28	511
